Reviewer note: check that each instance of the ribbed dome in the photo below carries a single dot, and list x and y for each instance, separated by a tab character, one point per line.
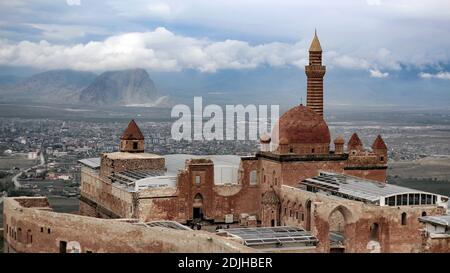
339	140
270	198
301	125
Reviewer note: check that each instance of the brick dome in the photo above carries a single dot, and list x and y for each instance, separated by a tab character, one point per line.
339	140
301	125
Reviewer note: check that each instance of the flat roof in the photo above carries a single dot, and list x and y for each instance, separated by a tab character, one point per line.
175	162
167	224
357	188
134	180
441	220
125	155
93	162
267	236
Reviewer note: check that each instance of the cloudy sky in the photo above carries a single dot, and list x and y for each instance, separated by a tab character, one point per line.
376	39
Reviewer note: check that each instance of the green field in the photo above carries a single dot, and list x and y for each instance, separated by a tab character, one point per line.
17	160
431	167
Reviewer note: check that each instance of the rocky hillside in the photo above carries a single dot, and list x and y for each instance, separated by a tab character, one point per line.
125	87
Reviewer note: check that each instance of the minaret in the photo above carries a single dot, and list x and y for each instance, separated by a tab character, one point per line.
315	72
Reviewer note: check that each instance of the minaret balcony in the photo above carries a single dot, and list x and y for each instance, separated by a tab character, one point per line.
315	70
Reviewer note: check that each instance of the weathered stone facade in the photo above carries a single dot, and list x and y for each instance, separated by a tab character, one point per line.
31	226
317	212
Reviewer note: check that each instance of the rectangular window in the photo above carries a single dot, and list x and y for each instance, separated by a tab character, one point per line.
404	199
391	201
429	199
423	199
197	179
253	178
416	199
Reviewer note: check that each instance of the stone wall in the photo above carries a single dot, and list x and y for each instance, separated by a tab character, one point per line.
28	229
391	234
436	245
99	190
109	165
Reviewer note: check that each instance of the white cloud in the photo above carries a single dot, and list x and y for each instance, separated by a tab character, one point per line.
66	32
73	2
348	62
162	50
375	73
443	75
159	50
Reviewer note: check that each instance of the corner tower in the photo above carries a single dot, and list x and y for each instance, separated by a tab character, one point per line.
315	72
132	140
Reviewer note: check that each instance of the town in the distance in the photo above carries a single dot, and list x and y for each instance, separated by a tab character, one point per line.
320	182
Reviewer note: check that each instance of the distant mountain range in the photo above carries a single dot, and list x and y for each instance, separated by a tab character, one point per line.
132	87
284	86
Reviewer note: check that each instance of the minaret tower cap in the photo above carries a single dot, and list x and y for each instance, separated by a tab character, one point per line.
315	44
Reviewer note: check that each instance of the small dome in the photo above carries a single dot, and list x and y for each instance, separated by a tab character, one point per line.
301	125
265	138
270	198
339	140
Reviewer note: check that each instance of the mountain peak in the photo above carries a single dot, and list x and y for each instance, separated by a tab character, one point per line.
121	87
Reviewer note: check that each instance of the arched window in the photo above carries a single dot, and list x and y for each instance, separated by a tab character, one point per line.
374	232
29	237
404	219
